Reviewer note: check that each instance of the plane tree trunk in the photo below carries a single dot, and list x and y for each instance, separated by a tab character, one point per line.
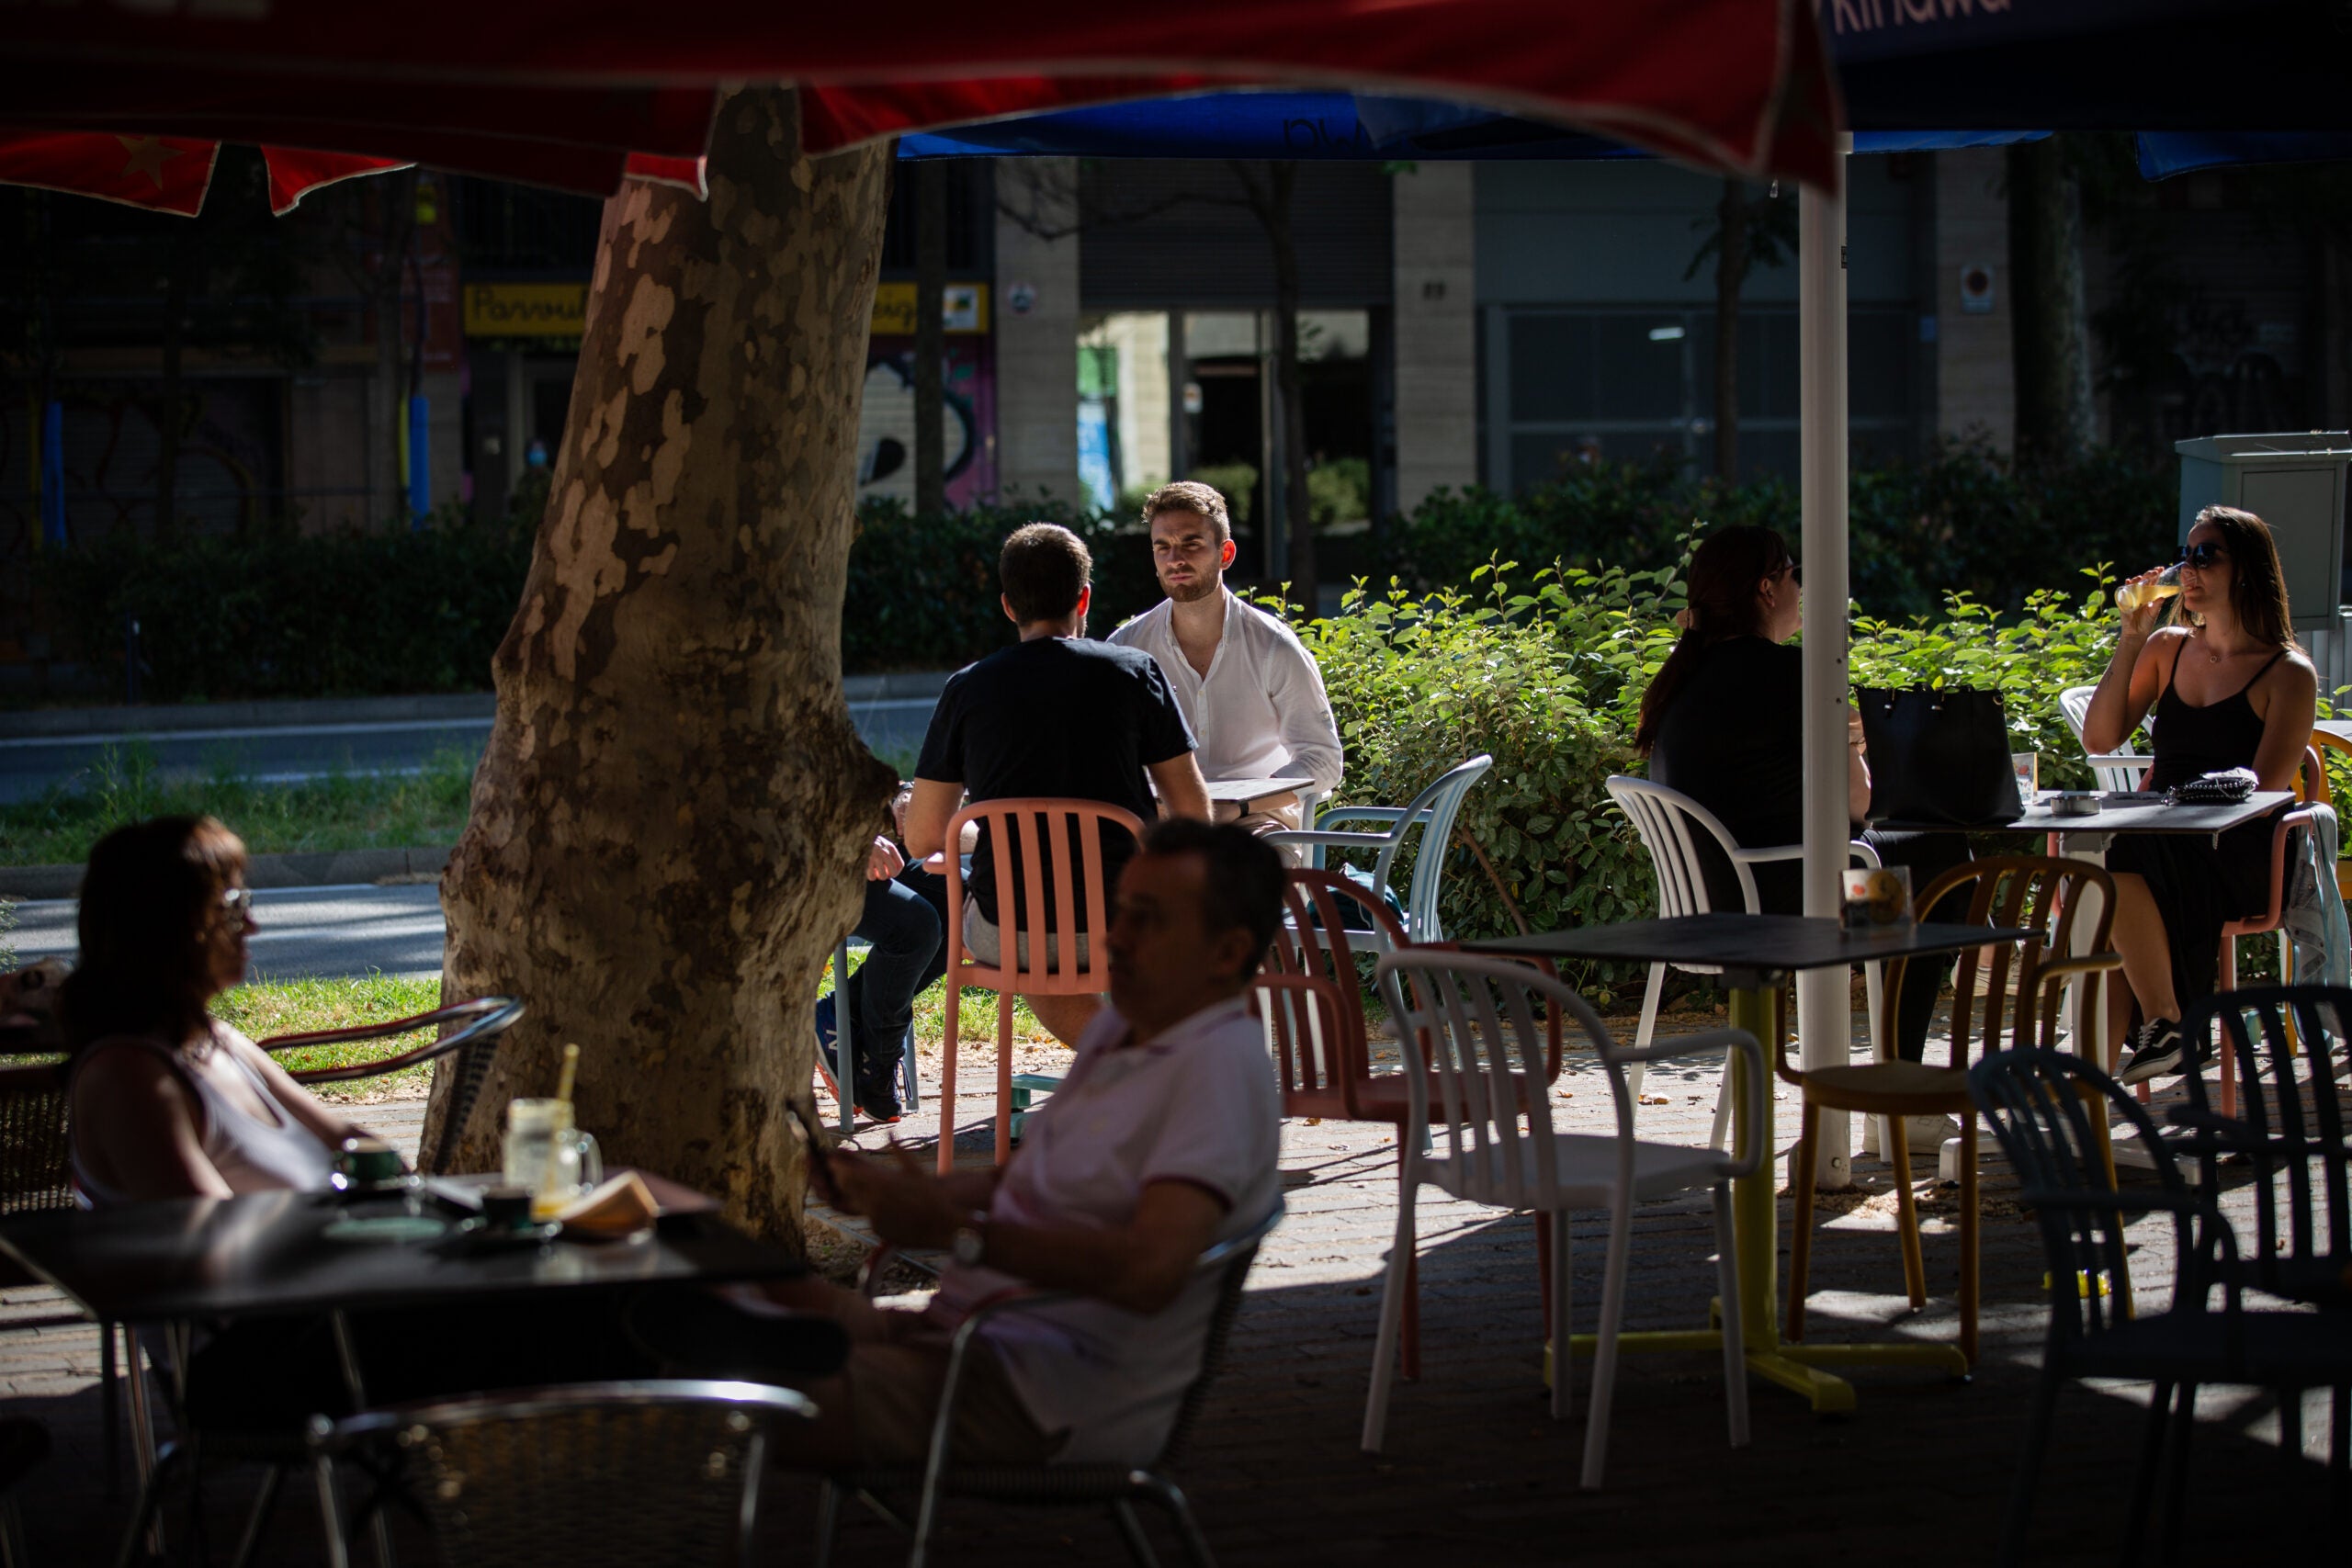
671	820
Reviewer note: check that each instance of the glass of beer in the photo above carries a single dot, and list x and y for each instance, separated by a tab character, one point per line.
2135	595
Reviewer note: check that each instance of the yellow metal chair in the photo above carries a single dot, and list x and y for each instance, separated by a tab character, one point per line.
2019	1009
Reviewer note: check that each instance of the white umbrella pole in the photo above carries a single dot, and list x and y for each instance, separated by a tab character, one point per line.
1824	1018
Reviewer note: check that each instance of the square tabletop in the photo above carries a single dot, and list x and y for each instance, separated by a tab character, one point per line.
2142	812
2122	811
2339	728
1768	944
1244	790
268	1253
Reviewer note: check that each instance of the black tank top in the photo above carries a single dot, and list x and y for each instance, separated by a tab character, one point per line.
2192	741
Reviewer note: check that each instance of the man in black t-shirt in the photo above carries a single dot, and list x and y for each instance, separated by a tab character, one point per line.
1054	715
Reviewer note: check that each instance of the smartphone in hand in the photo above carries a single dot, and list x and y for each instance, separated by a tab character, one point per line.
818	1154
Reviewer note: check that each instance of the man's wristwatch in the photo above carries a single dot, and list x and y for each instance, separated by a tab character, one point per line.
970	1243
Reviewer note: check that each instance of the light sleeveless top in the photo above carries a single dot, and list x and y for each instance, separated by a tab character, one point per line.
250	1155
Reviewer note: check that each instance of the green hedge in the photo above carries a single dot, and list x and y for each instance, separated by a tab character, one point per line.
291	615
1547	676
924	592
350	613
1962	520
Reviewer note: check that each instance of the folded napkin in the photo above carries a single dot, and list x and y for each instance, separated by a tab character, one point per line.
623	1206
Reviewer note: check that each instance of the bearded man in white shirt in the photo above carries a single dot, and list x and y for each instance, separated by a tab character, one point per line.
1249	688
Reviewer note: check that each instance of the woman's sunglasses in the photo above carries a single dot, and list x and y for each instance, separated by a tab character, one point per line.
1796	572
2202	556
237	901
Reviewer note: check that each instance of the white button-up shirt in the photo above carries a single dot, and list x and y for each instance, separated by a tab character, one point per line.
1260	711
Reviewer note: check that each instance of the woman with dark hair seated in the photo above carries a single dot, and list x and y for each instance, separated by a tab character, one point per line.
167	1100
2230	689
1722	722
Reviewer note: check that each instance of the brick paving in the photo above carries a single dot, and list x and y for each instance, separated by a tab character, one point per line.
1475	1469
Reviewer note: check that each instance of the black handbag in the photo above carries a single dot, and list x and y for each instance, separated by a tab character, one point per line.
1939	758
2225	786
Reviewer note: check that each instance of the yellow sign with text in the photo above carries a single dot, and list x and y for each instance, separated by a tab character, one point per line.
966	309
526	309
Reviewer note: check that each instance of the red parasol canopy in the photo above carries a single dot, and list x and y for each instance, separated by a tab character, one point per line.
563	92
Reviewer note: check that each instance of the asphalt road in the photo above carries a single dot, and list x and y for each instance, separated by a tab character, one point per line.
305	932
30	765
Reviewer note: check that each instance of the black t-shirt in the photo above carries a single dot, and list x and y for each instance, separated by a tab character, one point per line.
1733	740
1061	716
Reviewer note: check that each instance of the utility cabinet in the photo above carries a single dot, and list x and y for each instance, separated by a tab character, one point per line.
2294	482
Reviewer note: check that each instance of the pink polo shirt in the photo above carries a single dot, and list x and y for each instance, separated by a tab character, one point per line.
1199	1104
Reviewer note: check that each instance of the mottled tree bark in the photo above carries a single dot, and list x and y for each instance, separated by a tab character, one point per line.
671	819
2050	322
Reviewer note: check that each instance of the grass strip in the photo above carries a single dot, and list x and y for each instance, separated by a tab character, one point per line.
339	811
264	1007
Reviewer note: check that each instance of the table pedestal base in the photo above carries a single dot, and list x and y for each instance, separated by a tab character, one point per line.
1801	1369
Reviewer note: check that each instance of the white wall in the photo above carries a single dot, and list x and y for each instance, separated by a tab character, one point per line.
1036	358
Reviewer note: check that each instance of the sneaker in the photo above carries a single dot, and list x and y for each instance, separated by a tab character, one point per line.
2157	1053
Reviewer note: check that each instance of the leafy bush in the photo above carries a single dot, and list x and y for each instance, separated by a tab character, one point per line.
2058	641
1548	679
1418	683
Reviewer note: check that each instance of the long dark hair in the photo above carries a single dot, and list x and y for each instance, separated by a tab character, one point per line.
151	897
2257	585
1724	571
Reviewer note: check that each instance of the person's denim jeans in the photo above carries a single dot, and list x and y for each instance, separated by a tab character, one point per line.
903	924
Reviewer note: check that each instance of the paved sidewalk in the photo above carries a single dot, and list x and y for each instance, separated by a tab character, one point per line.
1474	1470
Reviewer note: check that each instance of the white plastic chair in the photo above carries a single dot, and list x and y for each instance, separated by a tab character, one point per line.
2116	771
1433	811
1472	1020
1663	818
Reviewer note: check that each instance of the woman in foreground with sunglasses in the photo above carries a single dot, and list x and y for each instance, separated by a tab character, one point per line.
167	1100
2230	689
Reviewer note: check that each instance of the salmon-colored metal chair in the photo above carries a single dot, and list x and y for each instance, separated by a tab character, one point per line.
1029	841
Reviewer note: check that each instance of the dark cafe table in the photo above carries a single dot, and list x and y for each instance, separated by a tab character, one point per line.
1755	952
267	1253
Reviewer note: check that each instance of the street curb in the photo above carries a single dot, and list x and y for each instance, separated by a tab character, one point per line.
327	869
452	707
446	708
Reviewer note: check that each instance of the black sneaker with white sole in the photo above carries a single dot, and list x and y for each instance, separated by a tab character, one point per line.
2158	1052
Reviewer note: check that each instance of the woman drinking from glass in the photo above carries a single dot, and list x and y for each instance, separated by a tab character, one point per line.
2230	689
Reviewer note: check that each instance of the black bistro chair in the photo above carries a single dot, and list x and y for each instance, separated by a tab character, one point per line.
2293	1126
588	1475
2044	1108
1117	1487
